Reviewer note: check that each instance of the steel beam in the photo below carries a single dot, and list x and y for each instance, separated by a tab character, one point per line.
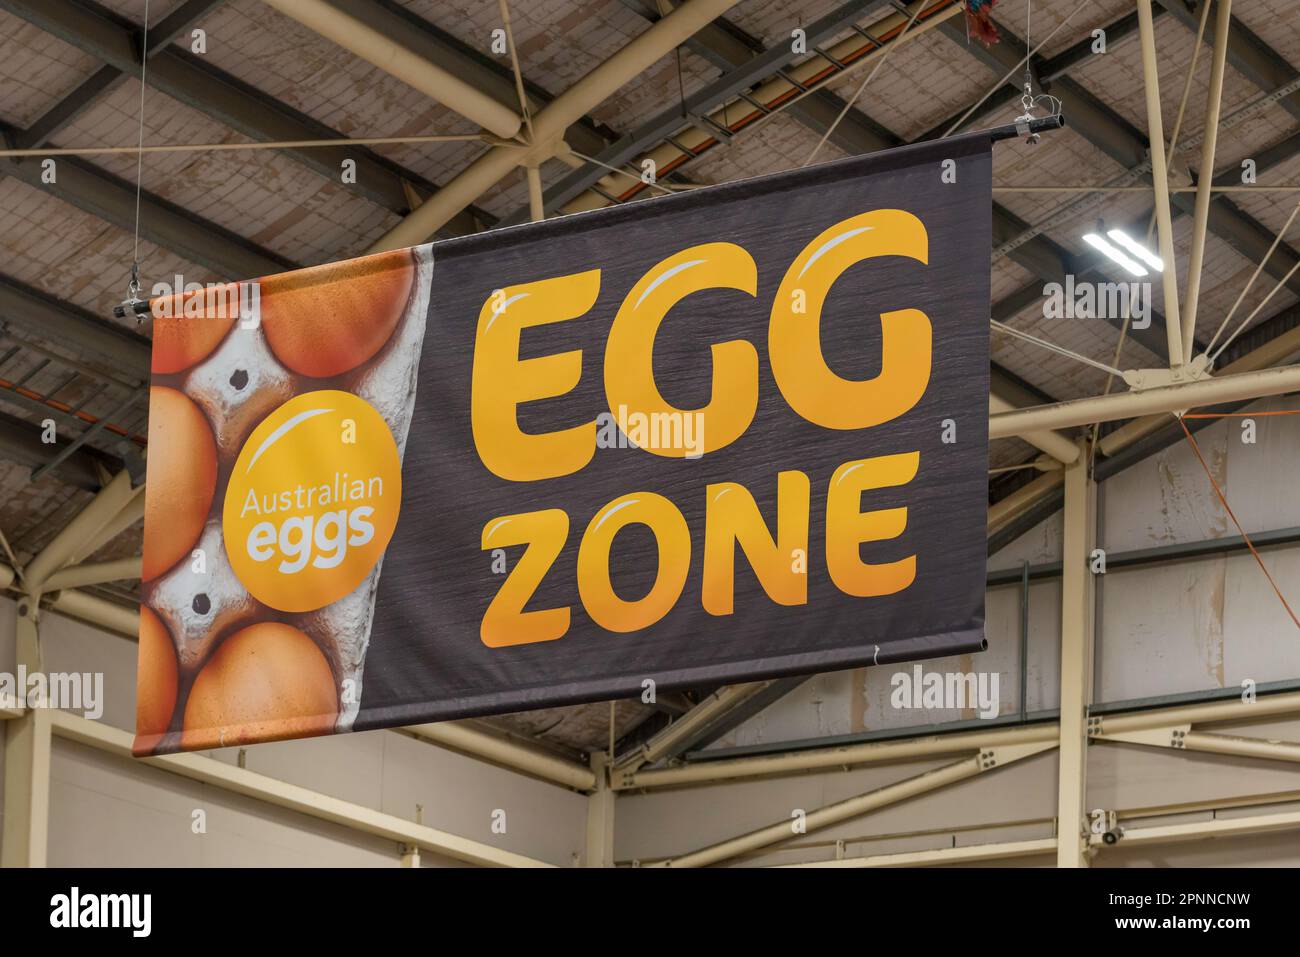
1268	344
237	780
1160	182
550	123
842	752
112	199
87	523
734	717
20	442
71	327
26	760
727	47
1055	444
227	99
986	760
1247	52
1081	51
1206	830
1209	143
1152	835
1152	338
463	737
374	34
731	84
130	513
942	856
106	77
849	755
488	73
688	729
94	573
67	109
1124	405
1048	72
1232	708
1183	738
1124	143
112	617
466	738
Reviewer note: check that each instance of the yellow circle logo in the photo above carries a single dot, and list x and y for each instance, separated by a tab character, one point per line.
312	501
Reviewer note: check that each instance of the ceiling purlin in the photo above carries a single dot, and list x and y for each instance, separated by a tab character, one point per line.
188	79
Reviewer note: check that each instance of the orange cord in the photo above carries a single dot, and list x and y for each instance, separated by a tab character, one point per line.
753	115
63	407
1222	498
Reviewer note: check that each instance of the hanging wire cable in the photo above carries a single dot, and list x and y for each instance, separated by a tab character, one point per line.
857	93
263	145
1029	73
1241	531
934	17
1066	212
514	62
1053	347
1095	431
1255	312
622	172
1253	276
1182	104
133	286
1026	61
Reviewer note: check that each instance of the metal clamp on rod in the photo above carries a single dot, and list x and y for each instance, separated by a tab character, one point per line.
132	307
1033	127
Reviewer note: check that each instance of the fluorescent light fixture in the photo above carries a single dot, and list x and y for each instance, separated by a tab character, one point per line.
1137	249
1096	242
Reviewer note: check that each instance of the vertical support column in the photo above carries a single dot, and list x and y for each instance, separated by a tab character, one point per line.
600	817
27	760
1024	641
536	207
1076	662
1160	178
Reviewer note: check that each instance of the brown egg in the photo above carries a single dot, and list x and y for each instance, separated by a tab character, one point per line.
265	682
155	691
328	319
188	326
182	477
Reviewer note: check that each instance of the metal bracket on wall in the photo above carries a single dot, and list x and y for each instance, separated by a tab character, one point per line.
1171	736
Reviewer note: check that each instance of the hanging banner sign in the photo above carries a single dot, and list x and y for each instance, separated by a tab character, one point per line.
735	433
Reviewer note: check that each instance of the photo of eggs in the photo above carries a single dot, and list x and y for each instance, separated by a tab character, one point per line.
217	666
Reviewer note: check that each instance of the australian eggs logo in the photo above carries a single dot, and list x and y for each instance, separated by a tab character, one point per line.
313	501
273	490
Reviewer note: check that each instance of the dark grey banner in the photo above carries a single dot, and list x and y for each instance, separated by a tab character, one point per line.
735	433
